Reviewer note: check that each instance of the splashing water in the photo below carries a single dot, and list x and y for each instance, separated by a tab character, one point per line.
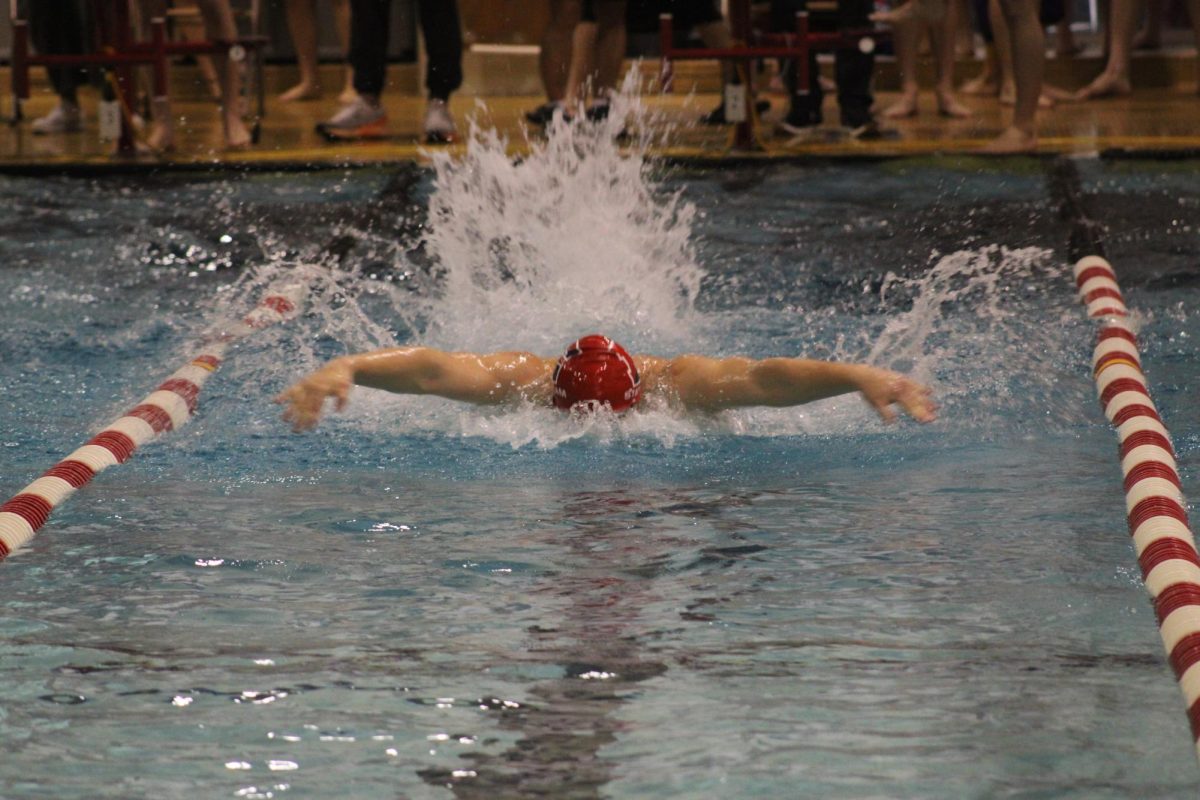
574	238
578	236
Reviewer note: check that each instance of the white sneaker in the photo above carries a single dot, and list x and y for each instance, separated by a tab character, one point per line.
357	120
439	125
65	118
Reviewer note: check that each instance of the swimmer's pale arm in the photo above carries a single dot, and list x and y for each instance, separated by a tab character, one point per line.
712	384
481	379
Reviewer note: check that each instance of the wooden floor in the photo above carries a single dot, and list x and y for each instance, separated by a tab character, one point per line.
1158	118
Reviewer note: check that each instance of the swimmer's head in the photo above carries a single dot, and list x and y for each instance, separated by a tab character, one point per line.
596	371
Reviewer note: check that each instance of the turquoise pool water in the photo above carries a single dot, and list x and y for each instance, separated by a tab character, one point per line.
419	600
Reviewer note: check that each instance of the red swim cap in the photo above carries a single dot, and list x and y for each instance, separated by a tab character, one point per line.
593	371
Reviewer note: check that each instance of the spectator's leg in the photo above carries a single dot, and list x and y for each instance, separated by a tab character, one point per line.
987	83
302	23
57	28
1065	45
219	26
610	46
1114	80
368	47
942	34
554	62
1028	41
854	68
362	115
1150	37
443	43
1004	55
581	78
905	37
805	110
341	21
160	136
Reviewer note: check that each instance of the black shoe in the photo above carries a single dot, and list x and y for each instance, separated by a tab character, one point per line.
544	114
717	115
798	122
597	112
866	132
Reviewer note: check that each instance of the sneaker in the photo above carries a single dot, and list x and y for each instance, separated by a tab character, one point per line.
357	120
717	115
867	132
799	123
543	115
439	125
65	118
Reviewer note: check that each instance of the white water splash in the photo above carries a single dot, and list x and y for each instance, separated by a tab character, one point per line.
574	238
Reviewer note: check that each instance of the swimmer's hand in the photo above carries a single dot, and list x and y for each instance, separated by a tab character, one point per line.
305	400
882	389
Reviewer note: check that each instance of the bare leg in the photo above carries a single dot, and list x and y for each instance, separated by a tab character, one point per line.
161	137
580	76
1007	88
906	35
1114	80
341	20
302	22
1027	41
941	34
610	45
219	24
986	83
1150	37
1065	45
964	36
1004	60
555	61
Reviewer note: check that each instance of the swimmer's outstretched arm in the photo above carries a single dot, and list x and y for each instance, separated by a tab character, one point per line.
713	384
487	379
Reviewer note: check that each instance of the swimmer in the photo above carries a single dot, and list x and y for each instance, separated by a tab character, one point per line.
597	372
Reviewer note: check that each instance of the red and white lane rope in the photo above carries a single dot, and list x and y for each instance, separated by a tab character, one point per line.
167	408
1166	549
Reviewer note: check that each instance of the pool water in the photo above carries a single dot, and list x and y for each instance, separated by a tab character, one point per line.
422	600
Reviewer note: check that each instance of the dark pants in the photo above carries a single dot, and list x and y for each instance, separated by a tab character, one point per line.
369	43
56	27
852	67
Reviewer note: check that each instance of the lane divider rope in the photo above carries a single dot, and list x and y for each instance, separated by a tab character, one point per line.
1154	503
168	407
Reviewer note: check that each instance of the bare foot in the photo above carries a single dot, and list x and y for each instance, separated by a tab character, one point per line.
300	92
1147	40
161	138
1056	94
983	86
1011	140
948	105
237	135
1107	85
906	106
1065	46
1008	97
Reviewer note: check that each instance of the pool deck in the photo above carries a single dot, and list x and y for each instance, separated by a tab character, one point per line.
1162	117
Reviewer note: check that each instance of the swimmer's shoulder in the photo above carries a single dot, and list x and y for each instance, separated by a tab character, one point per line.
666	376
